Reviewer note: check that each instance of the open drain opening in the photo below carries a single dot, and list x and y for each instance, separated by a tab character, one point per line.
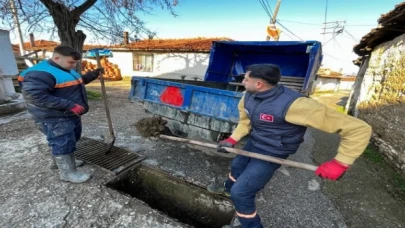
174	197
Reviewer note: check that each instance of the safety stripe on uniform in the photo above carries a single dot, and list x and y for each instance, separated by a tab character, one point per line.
231	177
67	84
246	216
20	78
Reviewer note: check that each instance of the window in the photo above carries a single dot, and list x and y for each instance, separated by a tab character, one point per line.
143	62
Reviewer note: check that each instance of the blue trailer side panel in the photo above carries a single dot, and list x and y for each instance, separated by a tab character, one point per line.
218	106
205	101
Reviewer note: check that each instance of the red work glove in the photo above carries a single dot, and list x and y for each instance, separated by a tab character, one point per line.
332	170
77	109
229	142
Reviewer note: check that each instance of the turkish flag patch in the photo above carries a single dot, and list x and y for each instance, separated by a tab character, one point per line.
266	117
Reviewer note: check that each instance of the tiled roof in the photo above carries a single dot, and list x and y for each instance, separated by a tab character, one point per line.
39	45
390	26
200	44
16	49
194	44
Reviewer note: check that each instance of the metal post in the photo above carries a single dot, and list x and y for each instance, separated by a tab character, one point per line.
17	23
273	20
19	33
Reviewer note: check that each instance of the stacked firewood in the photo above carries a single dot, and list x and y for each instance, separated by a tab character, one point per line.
111	71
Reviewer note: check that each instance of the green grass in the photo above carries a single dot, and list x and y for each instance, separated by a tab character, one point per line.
396	179
373	155
399	181
93	95
341	109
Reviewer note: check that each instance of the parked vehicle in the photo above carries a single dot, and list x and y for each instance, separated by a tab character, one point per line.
208	109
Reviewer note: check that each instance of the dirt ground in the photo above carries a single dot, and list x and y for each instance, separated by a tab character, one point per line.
369	189
32	195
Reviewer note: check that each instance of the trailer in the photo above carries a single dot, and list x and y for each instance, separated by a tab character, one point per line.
208	109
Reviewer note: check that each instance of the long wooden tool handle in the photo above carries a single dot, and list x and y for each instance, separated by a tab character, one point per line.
105	98
246	153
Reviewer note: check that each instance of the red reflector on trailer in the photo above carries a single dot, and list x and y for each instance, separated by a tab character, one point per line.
172	95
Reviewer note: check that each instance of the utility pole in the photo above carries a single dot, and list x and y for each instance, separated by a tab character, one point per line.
19	33
273	20
324	23
272	27
17	24
336	27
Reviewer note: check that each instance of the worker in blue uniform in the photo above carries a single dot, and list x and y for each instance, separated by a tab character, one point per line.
276	118
56	98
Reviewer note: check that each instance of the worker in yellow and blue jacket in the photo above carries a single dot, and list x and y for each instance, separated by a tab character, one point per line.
276	119
56	98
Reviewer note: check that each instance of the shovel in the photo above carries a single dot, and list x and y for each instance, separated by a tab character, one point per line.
111	139
246	153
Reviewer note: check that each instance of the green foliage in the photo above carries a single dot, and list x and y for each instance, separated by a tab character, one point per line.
93	95
373	155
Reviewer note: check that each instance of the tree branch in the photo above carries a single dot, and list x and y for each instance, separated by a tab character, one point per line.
83	7
48	3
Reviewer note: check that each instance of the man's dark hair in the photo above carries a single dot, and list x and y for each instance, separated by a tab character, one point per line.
268	72
68	51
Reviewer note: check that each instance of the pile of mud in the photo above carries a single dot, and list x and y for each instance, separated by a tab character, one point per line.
151	126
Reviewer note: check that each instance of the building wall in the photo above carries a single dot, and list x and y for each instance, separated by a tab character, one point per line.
8	68
333	84
166	65
381	100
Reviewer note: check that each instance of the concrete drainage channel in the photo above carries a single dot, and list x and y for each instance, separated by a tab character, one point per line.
183	201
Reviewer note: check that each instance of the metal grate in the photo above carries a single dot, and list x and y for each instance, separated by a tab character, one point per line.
116	161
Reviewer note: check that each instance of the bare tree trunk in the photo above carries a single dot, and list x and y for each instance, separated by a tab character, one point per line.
66	21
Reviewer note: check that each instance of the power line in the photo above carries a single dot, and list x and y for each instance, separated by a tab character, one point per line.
299	22
347	37
314	24
288	30
289	36
333	57
268	5
328	40
354	38
336	26
363	25
333	37
337	43
265	8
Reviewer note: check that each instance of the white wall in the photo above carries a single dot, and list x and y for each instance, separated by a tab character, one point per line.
346	85
8	67
332	84
166	65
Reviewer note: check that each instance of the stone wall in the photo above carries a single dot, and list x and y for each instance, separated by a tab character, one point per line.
381	100
388	123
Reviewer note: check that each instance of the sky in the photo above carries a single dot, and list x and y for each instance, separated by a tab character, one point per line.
246	20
